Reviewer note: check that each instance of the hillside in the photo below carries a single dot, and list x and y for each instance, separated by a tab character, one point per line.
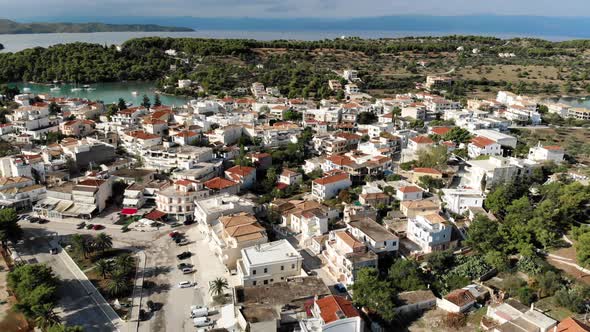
11	27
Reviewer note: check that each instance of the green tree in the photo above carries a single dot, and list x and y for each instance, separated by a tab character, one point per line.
81	245
218	286
103	241
371	292
146	102
34	285
121	104
526	295
406	275
432	157
64	328
583	249
157	101
54	108
104	267
430	183
458	135
10	230
118	284
125	264
367	118
483	235
45	316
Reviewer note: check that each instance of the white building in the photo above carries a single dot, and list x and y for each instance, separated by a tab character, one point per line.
345	256
268	263
209	209
431	232
546	153
498	137
483	146
184	84
333	314
460	200
376	237
329	186
486	173
409	193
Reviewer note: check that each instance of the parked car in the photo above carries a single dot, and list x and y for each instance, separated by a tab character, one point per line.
24	217
53	251
188	222
97	227
89	226
184	265
202	321
185	284
198	311
340	287
182	242
173	235
43	221
187	270
184	255
81	225
33	220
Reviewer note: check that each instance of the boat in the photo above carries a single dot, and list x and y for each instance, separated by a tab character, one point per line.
76	89
90	89
55	88
135	93
26	90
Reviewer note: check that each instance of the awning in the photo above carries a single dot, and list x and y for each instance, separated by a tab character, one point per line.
155	215
129	211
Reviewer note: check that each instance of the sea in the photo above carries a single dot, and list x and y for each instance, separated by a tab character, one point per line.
19	42
132	92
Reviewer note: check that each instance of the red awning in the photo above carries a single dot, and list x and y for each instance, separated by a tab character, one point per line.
129	211
155	215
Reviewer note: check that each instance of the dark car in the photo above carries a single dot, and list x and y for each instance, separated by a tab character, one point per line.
81	225
43	221
340	288
184	265
184	255
53	251
97	227
188	222
34	220
89	226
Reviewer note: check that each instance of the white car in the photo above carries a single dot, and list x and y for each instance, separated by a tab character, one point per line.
185	284
187	270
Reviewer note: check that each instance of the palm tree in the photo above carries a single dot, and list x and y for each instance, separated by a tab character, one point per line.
218	286
104	267
118	284
125	264
45	316
81	245
103	241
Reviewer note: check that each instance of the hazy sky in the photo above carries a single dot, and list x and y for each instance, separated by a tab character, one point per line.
289	8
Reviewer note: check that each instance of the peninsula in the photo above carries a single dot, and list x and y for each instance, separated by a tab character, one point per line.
12	27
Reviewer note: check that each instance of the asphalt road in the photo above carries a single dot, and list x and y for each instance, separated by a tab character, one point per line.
75	307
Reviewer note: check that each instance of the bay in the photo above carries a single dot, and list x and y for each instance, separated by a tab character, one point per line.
106	92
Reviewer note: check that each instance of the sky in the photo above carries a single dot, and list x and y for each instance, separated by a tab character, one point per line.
13	9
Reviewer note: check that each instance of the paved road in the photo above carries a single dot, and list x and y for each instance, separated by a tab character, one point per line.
75	306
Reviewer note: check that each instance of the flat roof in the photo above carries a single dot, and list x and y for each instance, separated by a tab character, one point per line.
373	229
271	252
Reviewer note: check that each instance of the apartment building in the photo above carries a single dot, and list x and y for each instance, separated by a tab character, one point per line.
177	201
333	313
268	263
77	127
430	232
232	234
209	209
376	237
460	200
345	256
329	186
579	113
244	175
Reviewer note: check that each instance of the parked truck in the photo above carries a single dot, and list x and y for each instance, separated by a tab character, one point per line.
197	311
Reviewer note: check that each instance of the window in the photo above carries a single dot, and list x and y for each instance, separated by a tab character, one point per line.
282	267
253	271
282	278
265	270
266	282
254	283
272	280
292	266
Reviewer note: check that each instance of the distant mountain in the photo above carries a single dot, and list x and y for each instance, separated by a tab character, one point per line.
12	27
496	25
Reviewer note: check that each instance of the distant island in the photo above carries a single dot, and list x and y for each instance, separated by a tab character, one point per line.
12	27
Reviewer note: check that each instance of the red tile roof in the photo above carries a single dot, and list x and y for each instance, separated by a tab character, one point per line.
422	140
426	170
340	160
440	130
219	183
571	324
241	170
410	189
482	142
155	215
333	308
332	179
91	183
460	297
140	134
553	147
